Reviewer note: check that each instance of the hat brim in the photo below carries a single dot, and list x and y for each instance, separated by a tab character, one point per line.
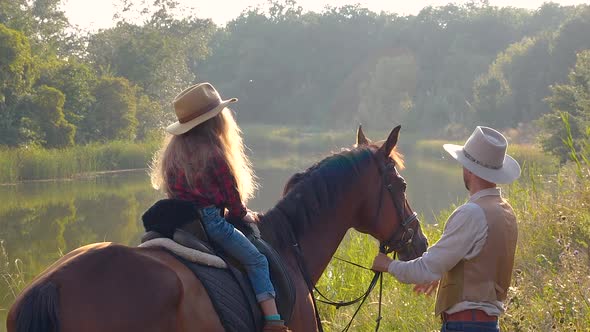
178	128
509	172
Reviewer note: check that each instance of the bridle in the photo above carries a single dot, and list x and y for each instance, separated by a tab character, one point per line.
400	240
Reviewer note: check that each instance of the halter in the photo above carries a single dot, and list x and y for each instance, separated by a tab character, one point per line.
386	247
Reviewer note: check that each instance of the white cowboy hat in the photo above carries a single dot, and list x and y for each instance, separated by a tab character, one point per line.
195	105
484	154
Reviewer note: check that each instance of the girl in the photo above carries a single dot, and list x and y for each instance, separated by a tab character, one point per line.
203	161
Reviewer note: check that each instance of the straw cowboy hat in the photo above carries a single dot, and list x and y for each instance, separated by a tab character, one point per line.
195	105
484	154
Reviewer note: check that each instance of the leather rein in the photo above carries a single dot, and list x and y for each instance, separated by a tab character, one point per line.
395	244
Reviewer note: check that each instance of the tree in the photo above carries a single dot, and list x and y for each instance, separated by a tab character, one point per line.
160	56
46	112
525	70
113	115
17	74
569	102
151	117
42	21
385	97
496	92
16	66
76	81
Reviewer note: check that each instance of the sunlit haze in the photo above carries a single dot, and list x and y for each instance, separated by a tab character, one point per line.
93	15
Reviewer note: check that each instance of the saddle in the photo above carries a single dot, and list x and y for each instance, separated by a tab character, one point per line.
229	289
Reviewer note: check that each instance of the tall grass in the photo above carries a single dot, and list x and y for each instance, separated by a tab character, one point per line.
34	163
11	272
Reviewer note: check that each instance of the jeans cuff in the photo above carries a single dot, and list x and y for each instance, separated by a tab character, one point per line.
265	296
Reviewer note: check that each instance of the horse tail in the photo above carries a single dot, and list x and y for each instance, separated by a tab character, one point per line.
38	310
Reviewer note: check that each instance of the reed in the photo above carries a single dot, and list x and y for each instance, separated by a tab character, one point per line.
35	163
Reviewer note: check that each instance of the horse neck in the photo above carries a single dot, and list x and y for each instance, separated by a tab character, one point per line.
318	241
321	237
319	244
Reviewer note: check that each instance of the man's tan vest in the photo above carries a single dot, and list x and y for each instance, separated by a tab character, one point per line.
487	276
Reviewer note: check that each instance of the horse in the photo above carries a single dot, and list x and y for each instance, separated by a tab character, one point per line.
110	287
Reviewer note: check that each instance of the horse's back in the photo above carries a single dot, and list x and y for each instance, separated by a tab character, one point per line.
110	287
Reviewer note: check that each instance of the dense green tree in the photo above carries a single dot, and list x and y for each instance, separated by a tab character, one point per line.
76	81
16	66
571	102
113	115
17	75
151	117
386	95
47	117
513	89
160	56
42	21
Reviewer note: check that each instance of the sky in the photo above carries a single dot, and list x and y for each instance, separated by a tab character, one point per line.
92	15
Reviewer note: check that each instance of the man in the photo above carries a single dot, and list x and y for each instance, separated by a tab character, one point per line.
475	255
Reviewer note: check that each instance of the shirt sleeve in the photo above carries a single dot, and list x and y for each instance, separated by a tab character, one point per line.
464	236
228	187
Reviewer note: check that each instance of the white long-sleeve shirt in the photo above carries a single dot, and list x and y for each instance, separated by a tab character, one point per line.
464	236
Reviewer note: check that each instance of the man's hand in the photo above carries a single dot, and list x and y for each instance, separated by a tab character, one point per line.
381	263
427	288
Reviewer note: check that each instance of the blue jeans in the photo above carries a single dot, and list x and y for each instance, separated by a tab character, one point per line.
232	241
466	326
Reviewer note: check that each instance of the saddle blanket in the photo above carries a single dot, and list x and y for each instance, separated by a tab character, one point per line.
237	309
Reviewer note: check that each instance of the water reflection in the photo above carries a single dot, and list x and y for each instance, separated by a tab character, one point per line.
41	221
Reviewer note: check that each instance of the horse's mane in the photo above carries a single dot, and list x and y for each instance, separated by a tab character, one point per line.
397	157
316	190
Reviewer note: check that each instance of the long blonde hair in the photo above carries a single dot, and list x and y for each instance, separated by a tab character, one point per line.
190	152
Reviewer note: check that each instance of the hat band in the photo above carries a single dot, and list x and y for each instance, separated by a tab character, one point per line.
470	157
202	111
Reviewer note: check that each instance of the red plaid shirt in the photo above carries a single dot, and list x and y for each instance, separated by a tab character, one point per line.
215	186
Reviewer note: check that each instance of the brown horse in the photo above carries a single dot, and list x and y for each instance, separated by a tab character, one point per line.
109	287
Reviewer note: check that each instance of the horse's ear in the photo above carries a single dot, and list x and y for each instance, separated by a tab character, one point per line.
388	146
361	139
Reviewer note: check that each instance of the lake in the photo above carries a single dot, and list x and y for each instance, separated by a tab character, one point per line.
40	221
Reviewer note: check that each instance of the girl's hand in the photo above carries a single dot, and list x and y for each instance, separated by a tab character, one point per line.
251	217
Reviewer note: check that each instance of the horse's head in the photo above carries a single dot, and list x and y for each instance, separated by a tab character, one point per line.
387	214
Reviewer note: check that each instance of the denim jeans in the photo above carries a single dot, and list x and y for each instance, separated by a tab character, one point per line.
232	241
466	326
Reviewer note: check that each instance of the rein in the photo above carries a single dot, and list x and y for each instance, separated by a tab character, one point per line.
362	298
385	247
377	277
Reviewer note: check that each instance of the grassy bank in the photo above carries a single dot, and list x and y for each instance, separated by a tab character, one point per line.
551	283
34	163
